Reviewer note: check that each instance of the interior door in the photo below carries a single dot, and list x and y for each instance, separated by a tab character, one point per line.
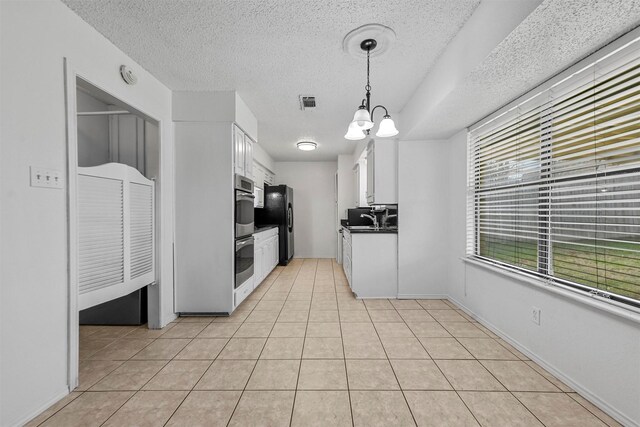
116	239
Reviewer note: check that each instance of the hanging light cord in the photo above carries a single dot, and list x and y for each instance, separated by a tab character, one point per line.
368	86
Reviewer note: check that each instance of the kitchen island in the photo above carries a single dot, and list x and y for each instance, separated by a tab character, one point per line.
370	261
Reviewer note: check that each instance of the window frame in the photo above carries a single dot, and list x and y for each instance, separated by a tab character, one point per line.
544	244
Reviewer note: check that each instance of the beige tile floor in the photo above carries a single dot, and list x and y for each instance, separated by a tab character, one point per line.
302	351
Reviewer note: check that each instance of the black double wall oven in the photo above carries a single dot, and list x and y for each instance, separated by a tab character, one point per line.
244	228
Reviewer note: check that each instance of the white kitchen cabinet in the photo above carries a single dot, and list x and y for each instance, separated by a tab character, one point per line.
370	262
261	176
269	177
265	254
242	153
382	172
360	172
238	150
211	146
346	254
248	157
258	174
242	292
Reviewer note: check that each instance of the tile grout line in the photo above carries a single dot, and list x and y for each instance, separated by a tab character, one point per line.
261	350
436	364
389	361
273	286
344	354
135	392
492	375
192	388
304	339
212	361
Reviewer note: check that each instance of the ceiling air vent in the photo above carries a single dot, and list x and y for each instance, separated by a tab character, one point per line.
307	102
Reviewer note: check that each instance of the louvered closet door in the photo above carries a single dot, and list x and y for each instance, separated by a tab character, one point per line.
100	233
116	241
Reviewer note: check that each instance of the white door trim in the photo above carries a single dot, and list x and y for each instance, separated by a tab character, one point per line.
73	329
154	304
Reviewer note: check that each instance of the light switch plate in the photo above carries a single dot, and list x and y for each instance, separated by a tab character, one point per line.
46	178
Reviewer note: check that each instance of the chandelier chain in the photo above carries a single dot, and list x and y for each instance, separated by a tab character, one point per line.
368	86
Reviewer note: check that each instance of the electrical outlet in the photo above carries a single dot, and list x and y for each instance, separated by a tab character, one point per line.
46	178
535	315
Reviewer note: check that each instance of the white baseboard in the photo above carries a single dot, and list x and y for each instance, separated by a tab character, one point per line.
422	296
58	396
587	394
168	319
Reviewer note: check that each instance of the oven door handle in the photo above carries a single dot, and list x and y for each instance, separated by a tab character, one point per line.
245	195
241	243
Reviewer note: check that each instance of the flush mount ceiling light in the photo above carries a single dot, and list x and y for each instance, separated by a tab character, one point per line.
363	118
307	145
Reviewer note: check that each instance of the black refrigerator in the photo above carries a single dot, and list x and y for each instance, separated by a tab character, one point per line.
278	210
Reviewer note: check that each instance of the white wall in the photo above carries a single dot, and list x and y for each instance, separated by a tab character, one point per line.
313	206
214	106
596	352
93	132
422	219
35	38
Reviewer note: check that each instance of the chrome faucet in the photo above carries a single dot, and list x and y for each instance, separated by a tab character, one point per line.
372	217
386	217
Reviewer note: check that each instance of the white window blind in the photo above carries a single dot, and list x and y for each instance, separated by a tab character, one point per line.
554	183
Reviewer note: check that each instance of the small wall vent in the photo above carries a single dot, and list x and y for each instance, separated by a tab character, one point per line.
307	102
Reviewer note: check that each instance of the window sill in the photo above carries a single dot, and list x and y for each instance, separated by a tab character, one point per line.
618	309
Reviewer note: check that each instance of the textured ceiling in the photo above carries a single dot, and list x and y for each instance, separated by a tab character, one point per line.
271	51
553	37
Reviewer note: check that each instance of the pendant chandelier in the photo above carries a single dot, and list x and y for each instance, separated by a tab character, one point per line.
363	118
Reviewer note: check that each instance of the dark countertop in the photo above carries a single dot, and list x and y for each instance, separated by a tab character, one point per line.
371	230
263	228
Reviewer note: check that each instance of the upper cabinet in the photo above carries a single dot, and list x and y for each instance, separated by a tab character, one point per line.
261	176
382	172
248	157
242	153
360	175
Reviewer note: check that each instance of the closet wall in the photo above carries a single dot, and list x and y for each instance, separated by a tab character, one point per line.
93	132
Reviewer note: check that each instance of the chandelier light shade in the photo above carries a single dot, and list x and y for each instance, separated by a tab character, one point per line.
387	128
306	145
363	118
355	132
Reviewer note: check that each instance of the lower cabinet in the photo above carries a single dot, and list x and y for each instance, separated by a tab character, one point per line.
266	254
346	255
370	262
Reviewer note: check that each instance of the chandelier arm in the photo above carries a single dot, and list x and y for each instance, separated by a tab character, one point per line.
386	113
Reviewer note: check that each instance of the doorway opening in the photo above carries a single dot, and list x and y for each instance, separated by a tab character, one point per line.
109	132
114	216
